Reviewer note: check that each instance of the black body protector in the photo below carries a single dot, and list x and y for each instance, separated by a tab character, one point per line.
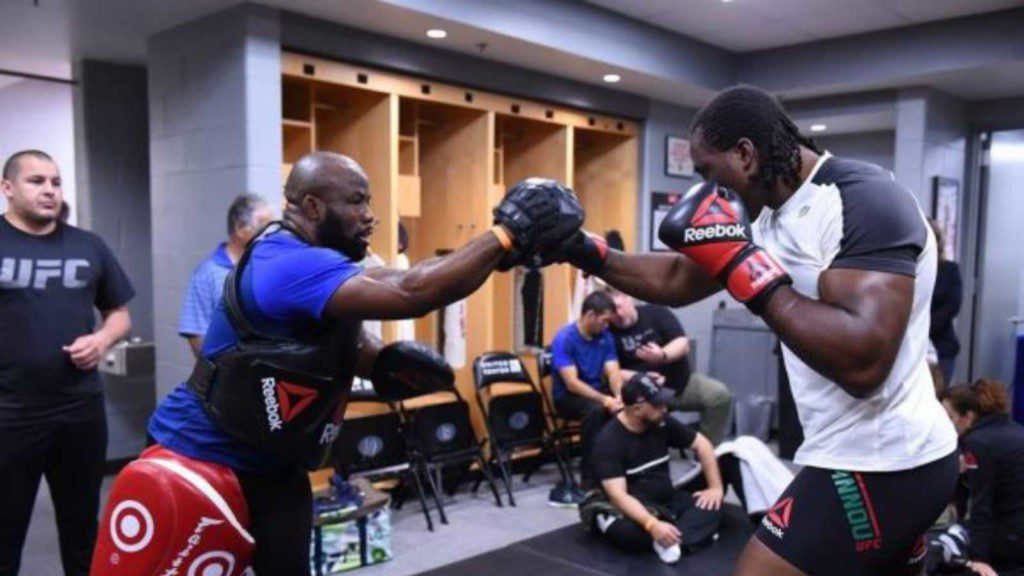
282	396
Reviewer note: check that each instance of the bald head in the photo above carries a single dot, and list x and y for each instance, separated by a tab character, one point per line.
323	174
329	202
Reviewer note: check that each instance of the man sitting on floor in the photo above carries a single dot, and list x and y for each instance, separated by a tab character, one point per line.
631	461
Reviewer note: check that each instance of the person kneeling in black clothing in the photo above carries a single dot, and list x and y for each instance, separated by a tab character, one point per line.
643	510
992	465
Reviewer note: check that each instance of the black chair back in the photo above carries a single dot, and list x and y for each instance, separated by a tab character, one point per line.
440	430
499	368
371	444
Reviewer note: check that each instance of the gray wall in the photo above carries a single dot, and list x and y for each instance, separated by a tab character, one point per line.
215	113
664	120
931	140
114	203
874	147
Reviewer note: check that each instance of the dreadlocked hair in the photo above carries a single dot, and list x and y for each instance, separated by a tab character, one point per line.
750	112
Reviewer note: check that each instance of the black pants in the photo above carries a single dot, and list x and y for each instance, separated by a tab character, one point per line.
72	457
592	417
846	523
280	520
696	525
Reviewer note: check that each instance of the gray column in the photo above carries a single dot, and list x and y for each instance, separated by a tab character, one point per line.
215	132
113	201
931	136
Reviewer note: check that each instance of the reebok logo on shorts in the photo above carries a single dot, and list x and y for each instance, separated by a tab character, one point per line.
777	518
860	513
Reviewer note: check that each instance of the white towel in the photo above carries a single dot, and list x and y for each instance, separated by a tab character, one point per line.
765	477
455	334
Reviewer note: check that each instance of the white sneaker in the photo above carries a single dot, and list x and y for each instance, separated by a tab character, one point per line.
668	555
604	521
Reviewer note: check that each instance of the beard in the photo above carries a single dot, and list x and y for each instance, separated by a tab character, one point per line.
331	233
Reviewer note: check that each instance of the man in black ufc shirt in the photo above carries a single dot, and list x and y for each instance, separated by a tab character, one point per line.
52	423
650	339
631	461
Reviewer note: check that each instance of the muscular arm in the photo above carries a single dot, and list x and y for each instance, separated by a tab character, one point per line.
369	348
852	334
658	277
386	294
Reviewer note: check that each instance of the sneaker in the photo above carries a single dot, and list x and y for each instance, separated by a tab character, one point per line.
563	496
668	555
604	521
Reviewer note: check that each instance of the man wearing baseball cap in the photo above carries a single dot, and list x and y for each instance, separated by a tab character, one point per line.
631	462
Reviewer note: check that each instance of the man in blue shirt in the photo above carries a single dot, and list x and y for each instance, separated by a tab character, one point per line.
247	215
582	355
277	362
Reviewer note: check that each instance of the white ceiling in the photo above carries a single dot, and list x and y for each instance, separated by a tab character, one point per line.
746	25
46	38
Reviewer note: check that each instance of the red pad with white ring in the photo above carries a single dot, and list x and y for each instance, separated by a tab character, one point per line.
169	515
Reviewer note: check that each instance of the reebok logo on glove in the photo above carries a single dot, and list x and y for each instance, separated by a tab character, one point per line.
715	232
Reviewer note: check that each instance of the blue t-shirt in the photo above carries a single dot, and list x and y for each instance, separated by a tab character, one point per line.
284	289
204	292
570	348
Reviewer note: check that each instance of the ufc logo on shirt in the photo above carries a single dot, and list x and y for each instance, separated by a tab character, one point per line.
25	273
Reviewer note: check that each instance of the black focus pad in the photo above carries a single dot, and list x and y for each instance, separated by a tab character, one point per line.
539	212
408	369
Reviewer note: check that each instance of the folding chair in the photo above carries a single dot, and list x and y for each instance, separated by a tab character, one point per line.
374	447
567	431
441	435
514	415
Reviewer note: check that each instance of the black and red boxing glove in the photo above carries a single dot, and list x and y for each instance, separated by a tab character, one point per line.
710	226
584	250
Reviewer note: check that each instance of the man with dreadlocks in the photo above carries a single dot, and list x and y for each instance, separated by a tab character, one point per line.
839	261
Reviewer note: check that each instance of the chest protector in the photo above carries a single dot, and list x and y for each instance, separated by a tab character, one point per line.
282	396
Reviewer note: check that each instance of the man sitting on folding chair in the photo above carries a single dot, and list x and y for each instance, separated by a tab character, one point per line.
582	354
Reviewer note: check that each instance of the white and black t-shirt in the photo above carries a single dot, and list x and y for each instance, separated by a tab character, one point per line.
50	287
851	214
642	459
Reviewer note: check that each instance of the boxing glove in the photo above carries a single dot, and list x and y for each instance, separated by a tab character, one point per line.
584	250
539	213
709	225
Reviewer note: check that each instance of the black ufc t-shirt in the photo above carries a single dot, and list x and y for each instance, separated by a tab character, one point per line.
50	287
653	324
642	459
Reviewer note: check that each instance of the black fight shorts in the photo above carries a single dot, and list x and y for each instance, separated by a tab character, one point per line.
840	523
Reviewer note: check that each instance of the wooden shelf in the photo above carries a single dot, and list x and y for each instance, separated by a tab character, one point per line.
408	156
440	158
409	196
297	139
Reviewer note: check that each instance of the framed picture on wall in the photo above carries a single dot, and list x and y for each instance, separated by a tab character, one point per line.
661	203
678	162
946	209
